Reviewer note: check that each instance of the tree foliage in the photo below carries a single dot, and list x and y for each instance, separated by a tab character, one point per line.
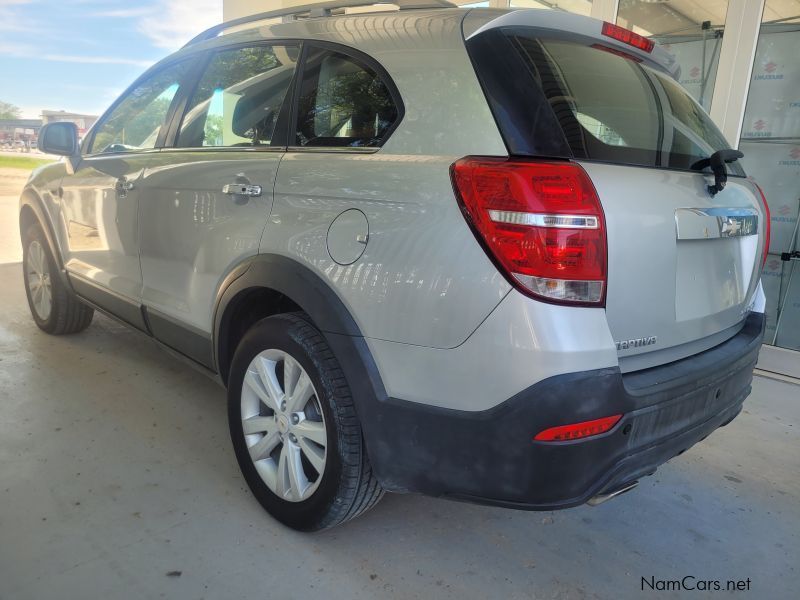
9	111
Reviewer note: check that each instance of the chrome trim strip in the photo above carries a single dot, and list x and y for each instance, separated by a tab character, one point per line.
335	149
544	220
715	223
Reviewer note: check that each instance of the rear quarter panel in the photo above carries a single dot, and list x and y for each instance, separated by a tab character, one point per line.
423	279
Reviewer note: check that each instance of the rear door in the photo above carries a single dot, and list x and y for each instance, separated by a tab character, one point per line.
682	263
205	201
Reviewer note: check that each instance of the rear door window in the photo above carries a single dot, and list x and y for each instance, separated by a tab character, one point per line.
612	107
343	102
239	98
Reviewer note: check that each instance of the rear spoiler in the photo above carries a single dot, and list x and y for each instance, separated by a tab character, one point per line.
478	21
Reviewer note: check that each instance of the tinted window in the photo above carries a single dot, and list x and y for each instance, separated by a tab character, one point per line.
606	105
343	102
134	124
239	97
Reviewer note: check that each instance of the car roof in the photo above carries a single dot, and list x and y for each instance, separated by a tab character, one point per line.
437	29
354	29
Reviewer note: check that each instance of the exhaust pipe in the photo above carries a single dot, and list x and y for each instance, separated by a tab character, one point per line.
600	498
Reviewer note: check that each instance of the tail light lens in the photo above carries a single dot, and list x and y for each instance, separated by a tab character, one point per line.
541	223
626	36
767	225
577	431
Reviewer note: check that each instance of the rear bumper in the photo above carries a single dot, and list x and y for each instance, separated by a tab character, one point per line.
490	456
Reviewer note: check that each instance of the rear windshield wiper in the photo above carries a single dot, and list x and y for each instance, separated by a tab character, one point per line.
717	163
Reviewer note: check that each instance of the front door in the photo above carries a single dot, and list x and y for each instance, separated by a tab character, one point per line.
205	201
100	200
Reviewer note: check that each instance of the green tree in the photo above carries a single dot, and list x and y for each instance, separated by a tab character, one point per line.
9	111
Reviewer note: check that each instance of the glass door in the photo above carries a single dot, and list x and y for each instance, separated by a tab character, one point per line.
770	141
690	30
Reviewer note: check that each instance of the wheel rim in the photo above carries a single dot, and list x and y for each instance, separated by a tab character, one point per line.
37	273
283	425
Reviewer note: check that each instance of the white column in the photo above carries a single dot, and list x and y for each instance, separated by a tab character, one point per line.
605	10
233	9
736	56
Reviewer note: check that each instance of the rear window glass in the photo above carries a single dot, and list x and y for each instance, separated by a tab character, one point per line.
612	107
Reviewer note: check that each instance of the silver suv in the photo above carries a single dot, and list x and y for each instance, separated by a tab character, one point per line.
497	256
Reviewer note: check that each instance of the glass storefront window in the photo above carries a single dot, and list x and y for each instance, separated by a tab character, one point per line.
770	141
690	30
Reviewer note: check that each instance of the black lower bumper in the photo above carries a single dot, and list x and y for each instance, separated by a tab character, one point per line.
490	457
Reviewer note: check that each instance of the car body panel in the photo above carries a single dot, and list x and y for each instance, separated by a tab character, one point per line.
688	294
444	285
192	233
520	343
41	196
100	221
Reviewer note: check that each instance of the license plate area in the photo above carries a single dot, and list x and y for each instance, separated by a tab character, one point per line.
716	251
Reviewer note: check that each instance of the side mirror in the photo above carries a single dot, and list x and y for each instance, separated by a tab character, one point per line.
60	138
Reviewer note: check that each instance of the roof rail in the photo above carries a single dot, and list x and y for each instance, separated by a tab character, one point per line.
318	9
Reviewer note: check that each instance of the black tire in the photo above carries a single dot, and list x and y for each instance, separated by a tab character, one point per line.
348	486
67	314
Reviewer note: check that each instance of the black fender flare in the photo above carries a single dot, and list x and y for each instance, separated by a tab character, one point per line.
30	199
329	314
290	278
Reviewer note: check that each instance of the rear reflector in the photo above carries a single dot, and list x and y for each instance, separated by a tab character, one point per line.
577	431
626	36
540	222
767	225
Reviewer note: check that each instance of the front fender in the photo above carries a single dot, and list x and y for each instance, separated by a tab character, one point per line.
32	202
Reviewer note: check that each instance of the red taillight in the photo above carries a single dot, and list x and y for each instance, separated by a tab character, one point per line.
626	36
577	431
767	225
541	222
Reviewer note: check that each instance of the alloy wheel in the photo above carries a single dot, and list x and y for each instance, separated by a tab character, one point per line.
283	425
37	273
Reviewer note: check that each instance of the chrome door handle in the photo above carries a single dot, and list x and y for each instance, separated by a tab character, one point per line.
241	189
124	186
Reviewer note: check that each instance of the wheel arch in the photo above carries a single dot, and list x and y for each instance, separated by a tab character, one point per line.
31	211
284	285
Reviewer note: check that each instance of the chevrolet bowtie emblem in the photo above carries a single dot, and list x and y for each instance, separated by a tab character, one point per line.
731	227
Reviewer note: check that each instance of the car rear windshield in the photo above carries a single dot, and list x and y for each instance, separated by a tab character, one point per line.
607	105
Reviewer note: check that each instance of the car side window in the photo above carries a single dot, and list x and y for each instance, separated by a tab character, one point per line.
134	124
239	97
343	102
